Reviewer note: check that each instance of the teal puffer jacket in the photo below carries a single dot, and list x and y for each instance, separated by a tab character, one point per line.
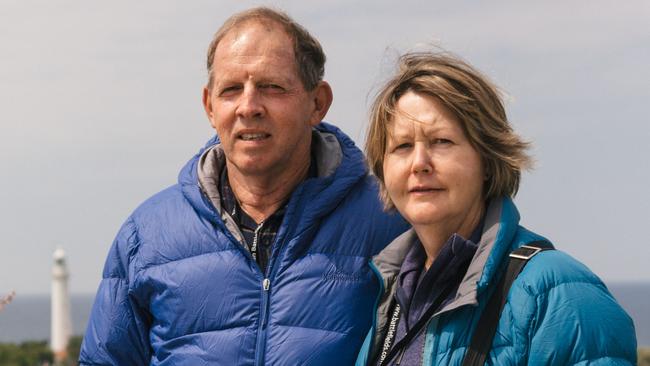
557	311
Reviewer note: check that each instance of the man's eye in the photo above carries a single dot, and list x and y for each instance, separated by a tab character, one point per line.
229	90
272	87
442	141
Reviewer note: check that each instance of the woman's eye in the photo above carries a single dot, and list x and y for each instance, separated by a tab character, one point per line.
442	141
404	145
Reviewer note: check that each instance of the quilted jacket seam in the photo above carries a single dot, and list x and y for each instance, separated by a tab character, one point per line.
154	265
547	290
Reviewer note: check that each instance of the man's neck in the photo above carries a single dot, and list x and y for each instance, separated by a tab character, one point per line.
261	196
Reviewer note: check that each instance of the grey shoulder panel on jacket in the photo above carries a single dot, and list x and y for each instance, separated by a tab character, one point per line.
389	260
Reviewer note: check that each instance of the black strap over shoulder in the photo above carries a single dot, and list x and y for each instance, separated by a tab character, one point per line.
487	325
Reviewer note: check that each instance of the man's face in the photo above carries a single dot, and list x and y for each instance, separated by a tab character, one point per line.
258	104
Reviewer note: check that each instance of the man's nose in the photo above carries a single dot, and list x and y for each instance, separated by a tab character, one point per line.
250	105
422	162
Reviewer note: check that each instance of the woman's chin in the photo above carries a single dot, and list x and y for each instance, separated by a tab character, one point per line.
423	219
422	213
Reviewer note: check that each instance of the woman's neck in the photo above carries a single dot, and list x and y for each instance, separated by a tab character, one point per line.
434	236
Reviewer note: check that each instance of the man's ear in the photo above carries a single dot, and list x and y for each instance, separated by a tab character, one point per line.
322	101
207	104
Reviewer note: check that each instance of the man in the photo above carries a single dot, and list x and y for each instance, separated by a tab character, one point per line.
259	255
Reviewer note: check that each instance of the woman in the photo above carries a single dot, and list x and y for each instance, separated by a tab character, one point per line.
448	161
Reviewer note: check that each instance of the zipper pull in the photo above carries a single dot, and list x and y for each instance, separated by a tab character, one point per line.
266	284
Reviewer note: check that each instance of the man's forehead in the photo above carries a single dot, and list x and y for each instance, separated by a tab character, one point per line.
254	39
267	24
256	50
257	27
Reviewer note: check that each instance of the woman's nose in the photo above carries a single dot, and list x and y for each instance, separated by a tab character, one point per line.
422	162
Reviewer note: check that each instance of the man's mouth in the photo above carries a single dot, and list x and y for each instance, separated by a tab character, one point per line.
253	136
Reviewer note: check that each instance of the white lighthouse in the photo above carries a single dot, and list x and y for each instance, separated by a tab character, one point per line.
61	324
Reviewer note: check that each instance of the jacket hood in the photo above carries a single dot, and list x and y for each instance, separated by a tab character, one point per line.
340	166
498	239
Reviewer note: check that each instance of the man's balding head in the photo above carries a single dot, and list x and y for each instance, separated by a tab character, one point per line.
310	59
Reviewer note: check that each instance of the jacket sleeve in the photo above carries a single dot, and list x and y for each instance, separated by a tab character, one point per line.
118	328
575	320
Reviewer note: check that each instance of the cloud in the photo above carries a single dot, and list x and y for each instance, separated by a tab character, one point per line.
100	107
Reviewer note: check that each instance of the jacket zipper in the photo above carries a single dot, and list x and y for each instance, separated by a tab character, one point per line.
266	286
260	348
373	327
261	328
260	351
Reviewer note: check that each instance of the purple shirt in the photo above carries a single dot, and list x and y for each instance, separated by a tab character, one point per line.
417	288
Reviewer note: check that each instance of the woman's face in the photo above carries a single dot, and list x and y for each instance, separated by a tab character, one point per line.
431	172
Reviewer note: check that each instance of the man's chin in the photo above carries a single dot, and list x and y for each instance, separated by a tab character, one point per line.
254	165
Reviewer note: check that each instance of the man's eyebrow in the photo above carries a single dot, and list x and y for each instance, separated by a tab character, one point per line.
273	79
222	81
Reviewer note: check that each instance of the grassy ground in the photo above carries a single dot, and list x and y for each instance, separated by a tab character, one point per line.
35	353
644	356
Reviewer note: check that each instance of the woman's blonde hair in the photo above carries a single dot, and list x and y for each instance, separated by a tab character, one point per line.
474	101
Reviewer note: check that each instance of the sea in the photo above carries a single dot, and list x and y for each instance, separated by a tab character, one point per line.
27	318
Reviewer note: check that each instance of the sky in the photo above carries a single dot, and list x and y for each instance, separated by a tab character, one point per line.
100	107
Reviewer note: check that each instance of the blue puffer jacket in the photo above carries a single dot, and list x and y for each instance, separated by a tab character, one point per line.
557	311
179	287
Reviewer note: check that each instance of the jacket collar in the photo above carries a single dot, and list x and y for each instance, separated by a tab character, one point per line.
501	222
340	166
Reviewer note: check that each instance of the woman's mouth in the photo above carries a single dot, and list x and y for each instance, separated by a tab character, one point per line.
424	190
